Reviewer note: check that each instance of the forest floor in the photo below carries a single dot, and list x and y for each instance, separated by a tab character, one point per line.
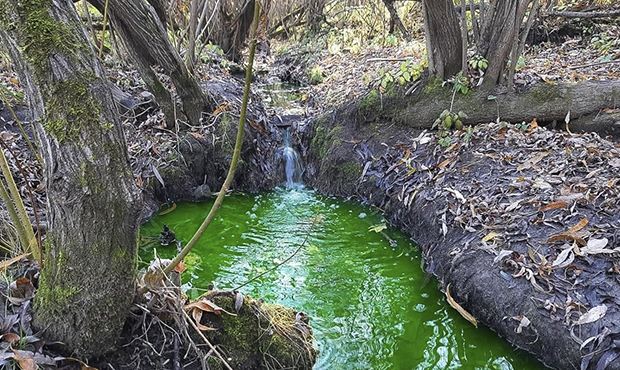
345	76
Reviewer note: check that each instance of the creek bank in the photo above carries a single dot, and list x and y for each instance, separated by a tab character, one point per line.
498	216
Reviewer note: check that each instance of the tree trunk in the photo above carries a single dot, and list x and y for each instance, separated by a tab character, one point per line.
146	40
501	32
395	21
88	276
443	38
315	14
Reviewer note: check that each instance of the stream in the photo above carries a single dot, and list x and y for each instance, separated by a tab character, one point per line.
371	305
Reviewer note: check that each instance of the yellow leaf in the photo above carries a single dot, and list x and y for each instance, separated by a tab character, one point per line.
490	236
466	315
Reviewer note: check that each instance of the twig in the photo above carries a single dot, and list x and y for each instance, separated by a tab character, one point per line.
217	353
236	153
105	22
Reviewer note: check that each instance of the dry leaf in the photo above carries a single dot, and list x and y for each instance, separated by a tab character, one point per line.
554	205
10	338
25	360
490	236
593	314
524	322
469	317
565	258
6	263
501	255
180	267
567	236
597	246
579	225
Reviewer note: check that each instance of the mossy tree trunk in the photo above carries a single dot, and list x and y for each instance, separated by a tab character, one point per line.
88	274
142	30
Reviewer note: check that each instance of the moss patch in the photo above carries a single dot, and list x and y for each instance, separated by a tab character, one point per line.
260	335
70	107
324	138
42	35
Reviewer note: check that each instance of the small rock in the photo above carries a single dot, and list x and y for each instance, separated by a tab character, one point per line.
202	192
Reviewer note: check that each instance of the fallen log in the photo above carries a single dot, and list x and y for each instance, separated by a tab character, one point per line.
543	101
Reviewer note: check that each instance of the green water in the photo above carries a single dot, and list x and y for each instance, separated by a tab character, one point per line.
372	307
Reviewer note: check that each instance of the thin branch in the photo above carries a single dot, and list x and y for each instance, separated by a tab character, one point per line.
236	153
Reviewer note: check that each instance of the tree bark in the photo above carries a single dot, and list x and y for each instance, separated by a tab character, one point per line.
315	14
88	275
500	34
146	40
443	38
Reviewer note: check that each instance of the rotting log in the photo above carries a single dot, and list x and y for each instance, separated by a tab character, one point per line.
88	275
542	101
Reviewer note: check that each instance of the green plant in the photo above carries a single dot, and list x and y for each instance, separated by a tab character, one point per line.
604	43
406	73
478	62
315	75
448	120
17	212
460	84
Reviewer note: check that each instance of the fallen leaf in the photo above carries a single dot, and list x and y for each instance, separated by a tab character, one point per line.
466	315
10	338
180	267
501	255
579	225
554	205
593	314
524	322
377	228
25	360
597	246
457	194
567	236
565	258
490	236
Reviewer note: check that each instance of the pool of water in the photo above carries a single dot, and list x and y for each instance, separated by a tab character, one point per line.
371	305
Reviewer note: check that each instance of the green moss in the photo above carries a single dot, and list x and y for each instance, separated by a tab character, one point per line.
42	35
433	85
324	138
370	101
351	170
51	295
545	93
70	107
253	338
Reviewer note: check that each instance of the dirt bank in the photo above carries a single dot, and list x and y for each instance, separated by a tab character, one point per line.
521	222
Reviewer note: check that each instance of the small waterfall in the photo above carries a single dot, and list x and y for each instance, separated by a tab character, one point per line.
292	163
